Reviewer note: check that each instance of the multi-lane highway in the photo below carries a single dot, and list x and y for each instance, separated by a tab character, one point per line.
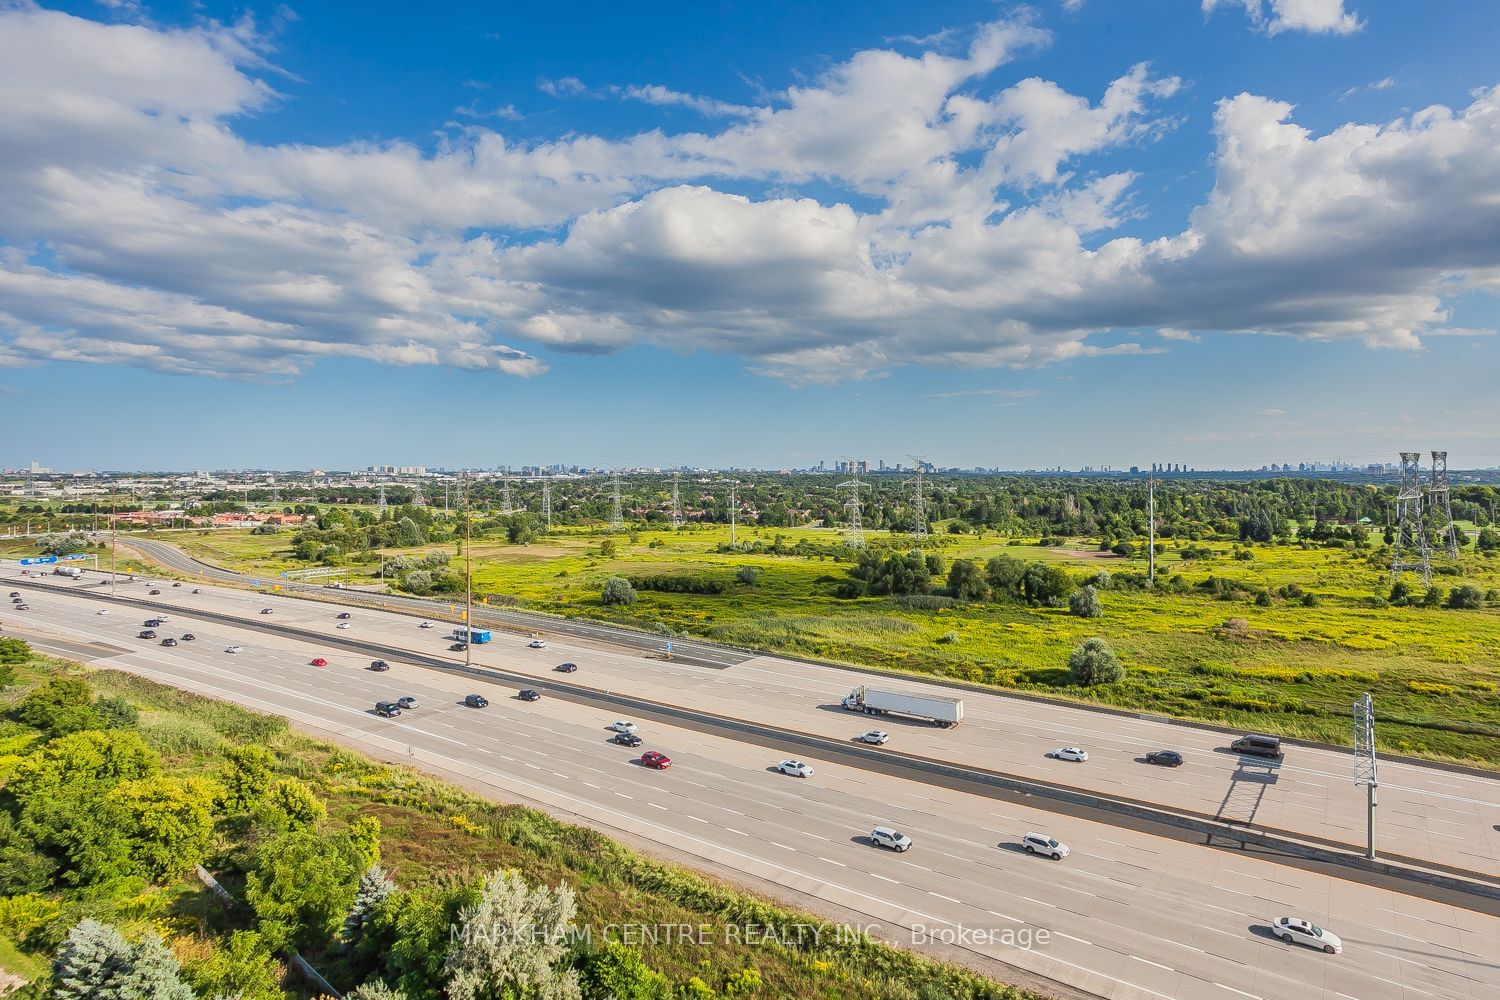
1446	818
1127	915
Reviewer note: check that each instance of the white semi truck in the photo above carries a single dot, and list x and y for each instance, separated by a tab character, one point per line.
935	708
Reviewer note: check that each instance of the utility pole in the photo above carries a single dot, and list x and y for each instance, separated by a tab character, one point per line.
1364	764
1151	531
114	539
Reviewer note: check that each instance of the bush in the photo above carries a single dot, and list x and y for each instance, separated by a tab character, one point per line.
1094	662
14	651
947	638
62	705
617	590
1465	598
748	575
1085	603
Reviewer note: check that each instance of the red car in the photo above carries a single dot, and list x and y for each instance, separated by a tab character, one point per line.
320	662
660	761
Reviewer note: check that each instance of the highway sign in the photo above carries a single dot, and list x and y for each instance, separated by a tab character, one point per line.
39	560
74	558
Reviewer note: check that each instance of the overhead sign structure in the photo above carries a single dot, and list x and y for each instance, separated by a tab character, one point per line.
74	558
39	560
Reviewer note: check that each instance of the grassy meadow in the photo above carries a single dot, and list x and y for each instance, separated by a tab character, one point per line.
1287	667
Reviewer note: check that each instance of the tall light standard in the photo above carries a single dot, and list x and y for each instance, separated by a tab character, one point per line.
1364	764
114	538
468	576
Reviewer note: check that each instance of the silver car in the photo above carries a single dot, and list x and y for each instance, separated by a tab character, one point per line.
1040	843
1295	930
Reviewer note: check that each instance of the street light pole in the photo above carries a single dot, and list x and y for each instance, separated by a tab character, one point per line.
114	539
468	577
1364	764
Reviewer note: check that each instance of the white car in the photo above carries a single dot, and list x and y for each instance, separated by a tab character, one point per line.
102	611
875	736
1295	930
163	618
795	768
621	726
342	625
1040	843
884	836
537	644
1071	753
234	649
425	625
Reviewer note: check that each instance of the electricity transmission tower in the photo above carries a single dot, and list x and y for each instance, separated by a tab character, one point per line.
506	507
616	513
1411	551
734	509
676	502
1364	764
547	503
918	498
1151	532
1439	503
854	527
380	504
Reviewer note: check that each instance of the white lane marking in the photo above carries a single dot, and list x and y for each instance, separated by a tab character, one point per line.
1149	962
1041	902
1242	993
784	847
1070	937
831	861
941	896
884	879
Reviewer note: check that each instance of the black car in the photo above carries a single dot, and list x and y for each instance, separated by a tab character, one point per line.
169	641
388	709
265	611
16	599
151	622
188	637
1166	758
566	668
23	607
459	646
476	700
176	584
146	633
379	665
529	695
15	593
627	739
344	614
155	592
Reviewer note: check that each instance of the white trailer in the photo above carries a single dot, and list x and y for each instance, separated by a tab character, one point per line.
937	709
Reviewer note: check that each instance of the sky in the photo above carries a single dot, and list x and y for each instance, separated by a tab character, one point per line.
1071	233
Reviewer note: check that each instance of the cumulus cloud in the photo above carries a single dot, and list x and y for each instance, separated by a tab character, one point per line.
954	222
1313	16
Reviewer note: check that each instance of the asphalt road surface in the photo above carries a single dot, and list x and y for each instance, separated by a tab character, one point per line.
1444	818
1127	914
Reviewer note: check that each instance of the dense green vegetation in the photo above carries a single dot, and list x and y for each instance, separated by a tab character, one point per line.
112	790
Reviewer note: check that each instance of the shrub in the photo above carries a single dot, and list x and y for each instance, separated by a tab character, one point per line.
617	590
1465	598
1094	662
62	705
748	575
1262	600
1085	603
947	638
1311	600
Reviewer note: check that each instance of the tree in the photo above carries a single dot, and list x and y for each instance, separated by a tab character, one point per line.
966	581
96	963
374	889
301	884
1434	597
246	777
748	575
14	651
511	943
90	963
1094	662
618	971
1085	603
607	548
63	544
61	705
116	713
1401	594
1489	540
1466	597
408	534
521	530
291	805
244	968
617	590
166	821
1045	584
374	990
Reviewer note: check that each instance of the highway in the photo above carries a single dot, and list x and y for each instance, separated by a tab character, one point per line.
1445	818
1128	915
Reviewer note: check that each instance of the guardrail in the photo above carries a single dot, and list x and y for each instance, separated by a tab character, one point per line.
1172	822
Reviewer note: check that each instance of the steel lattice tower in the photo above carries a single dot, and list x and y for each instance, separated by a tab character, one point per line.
1411	551
1440	504
676	503
616	512
380	506
918	498
1364	762
547	503
854	527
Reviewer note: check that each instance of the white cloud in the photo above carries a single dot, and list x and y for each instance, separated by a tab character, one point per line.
659	95
1313	16
506	112
955	224
568	86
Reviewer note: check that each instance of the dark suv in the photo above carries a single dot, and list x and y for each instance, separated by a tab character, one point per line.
387	709
146	633
476	700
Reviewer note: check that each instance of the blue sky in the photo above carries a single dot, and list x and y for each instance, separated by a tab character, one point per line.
750	234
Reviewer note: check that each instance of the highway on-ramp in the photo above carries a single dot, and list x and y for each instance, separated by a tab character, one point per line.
1127	915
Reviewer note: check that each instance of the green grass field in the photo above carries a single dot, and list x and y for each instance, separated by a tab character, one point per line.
1285	667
